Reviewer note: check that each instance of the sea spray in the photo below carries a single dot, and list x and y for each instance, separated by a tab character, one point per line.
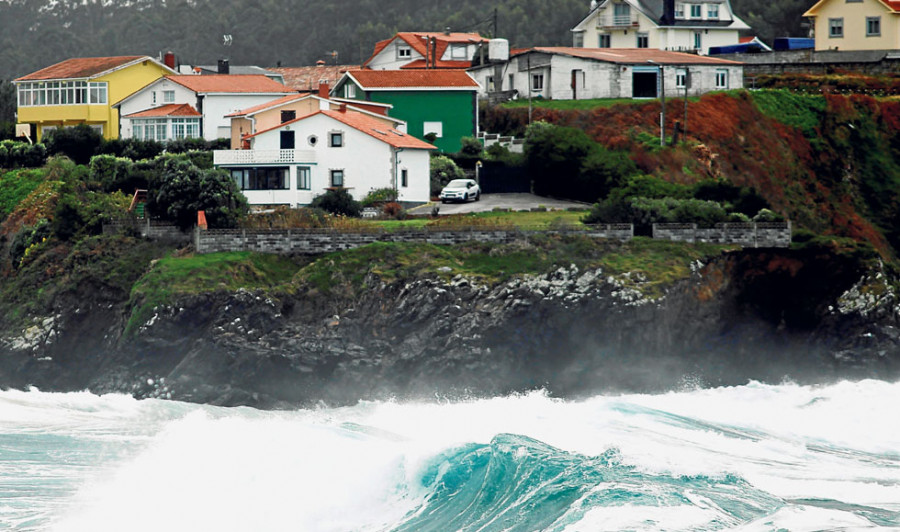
756	457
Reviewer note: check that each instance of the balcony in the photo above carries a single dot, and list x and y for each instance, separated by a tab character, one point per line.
617	21
249	157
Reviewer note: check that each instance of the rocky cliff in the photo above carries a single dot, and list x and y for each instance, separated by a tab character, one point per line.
806	315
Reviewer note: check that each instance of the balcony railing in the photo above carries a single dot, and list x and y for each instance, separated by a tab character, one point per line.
227	157
617	21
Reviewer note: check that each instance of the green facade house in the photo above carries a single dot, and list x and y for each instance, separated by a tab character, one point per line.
443	102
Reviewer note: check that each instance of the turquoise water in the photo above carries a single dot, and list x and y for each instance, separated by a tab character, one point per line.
754	457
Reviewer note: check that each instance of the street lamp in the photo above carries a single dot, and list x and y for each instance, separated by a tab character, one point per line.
662	99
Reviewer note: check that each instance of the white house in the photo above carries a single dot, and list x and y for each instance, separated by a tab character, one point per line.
677	25
144	114
295	161
425	50
563	73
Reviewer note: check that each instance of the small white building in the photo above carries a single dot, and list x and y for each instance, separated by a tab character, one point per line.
563	73
210	98
675	25
425	50
295	161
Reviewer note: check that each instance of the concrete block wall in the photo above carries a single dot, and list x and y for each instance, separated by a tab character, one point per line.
756	235
147	228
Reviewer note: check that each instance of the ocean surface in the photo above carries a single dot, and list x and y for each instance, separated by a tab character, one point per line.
753	458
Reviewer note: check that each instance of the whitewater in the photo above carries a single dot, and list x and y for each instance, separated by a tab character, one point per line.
754	457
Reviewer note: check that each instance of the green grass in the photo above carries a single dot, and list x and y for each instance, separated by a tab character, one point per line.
526	219
214	272
16	186
802	111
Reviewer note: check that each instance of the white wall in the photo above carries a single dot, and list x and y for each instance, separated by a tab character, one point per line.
216	106
367	162
143	100
387	58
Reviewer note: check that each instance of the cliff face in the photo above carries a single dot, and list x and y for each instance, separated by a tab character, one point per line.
752	314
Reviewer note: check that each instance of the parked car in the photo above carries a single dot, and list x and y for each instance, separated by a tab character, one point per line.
461	190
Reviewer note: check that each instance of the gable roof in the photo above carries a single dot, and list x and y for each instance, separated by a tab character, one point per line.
413	79
86	67
360	106
172	109
307	78
365	124
269	105
634	56
249	83
417	40
892	5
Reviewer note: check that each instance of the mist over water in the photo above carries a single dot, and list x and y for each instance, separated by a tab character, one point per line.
752	457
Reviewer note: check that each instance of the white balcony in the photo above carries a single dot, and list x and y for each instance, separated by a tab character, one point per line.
248	157
617	21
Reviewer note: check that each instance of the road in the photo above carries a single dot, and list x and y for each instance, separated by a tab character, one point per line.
512	201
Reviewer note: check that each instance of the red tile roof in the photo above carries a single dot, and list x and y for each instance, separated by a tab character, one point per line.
893	4
82	67
307	78
416	41
745	40
172	109
374	79
365	124
229	83
422	64
274	103
635	55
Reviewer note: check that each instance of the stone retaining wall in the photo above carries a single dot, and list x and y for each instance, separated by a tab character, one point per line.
755	235
155	229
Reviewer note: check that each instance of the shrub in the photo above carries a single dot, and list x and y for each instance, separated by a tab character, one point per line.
78	143
83	214
134	149
471	147
27	237
643	212
112	173
743	200
15	154
182	189
379	196
645	186
394	210
765	215
337	201
443	170
555	156
602	171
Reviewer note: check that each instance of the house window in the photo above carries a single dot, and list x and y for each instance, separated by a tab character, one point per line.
59	93
680	78
696	11
512	80
97	92
698	40
721	79
679	10
458	51
303	178
835	27
313	140
537	82
168	96
153	98
337	178
433	127
605	40
404	178
287	116
643	40
287	140
489	83
621	14
150	129
185	128
336	140
261	178
349	90
873	26
712	12
404	52
578	40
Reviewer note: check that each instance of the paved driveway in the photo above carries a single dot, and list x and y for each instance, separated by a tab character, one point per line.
512	201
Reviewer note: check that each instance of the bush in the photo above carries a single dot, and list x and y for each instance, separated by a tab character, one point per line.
379	196
78	143
645	186
15	154
443	170
643	212
738	199
27	237
134	149
182	189
471	147
79	215
602	171
765	215
394	210
555	155
337	201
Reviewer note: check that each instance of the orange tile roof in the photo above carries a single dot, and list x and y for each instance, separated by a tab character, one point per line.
307	78
635	55
274	103
374	79
416	41
422	64
82	67
172	109
229	83
365	124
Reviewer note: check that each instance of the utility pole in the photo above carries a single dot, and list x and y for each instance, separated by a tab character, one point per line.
662	100
687	84
494	29
529	81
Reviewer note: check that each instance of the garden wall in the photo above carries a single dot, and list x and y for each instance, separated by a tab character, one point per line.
755	235
147	228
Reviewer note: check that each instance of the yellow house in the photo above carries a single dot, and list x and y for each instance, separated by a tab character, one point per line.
83	91
856	24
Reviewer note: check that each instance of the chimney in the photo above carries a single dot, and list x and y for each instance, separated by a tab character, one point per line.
223	66
169	60
668	17
323	89
447	30
342	108
320	63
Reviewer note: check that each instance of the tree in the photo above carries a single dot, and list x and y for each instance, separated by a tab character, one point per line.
78	143
337	201
182	189
555	155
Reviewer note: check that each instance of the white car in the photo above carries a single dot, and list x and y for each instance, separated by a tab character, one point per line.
461	190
